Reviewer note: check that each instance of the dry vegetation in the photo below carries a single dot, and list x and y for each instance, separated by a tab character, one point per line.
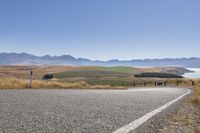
16	83
77	77
81	77
187	119
10	83
196	97
39	71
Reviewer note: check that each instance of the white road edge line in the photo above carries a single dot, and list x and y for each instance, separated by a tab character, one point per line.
133	125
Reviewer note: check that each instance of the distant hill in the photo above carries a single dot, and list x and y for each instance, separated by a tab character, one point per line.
28	59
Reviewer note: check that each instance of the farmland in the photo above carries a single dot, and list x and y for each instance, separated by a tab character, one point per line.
103	77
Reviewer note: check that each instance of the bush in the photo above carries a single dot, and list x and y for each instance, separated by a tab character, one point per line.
47	76
158	75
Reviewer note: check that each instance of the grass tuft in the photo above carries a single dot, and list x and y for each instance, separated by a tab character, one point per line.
196	97
15	83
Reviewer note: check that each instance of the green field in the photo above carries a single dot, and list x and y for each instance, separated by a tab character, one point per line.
98	72
110	76
114	76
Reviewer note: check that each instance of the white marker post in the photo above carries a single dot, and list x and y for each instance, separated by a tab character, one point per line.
30	78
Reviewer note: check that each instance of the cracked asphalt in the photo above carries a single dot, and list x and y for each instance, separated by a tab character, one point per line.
78	111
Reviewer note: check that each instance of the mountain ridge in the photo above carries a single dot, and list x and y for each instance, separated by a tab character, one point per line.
29	59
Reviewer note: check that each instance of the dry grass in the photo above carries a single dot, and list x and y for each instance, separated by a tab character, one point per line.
9	83
15	83
196	97
17	77
58	85
187	118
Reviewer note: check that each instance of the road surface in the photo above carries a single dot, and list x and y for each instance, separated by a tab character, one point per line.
82	111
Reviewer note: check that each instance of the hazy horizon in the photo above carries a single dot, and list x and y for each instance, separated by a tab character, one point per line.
101	29
96	59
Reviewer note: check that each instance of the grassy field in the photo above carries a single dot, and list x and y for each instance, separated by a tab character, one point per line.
22	72
39	71
67	76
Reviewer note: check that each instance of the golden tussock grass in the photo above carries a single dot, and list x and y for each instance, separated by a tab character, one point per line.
196	97
10	83
58	85
188	114
15	83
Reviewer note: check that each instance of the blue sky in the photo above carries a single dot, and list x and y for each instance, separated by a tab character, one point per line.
101	29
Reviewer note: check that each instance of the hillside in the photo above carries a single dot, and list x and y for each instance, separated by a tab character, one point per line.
83	71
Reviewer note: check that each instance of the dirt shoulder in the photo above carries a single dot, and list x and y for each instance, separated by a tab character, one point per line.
187	118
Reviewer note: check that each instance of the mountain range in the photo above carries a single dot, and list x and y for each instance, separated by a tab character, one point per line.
68	60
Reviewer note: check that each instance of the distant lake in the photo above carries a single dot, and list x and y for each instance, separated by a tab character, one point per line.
195	74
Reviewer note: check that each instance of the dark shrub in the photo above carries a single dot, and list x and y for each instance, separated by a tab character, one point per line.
47	76
159	84
158	75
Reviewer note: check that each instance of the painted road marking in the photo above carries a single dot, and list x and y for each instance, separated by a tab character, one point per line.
133	125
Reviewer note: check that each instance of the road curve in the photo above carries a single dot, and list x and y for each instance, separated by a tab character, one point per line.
79	111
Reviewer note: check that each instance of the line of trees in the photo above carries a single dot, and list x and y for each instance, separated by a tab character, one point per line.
157	75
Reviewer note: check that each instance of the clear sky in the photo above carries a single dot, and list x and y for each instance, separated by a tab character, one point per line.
101	29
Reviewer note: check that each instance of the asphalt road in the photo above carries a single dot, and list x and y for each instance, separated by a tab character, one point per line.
78	111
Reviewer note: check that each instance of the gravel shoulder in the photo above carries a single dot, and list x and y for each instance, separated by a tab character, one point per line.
185	120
